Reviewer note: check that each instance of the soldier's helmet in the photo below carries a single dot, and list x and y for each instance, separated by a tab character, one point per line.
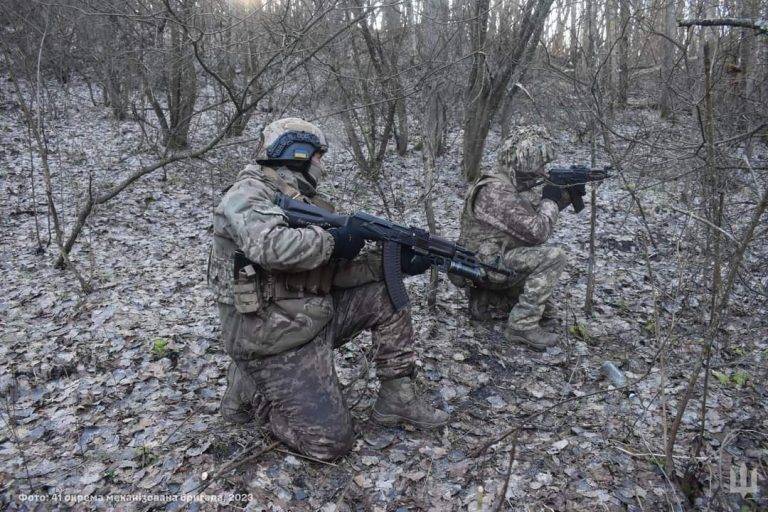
290	141
524	152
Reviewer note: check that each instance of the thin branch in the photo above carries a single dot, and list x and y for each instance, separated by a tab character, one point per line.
754	23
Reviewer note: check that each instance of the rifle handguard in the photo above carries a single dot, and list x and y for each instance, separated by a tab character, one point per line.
443	254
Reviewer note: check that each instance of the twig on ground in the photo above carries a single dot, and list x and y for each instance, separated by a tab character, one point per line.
503	492
229	467
307	457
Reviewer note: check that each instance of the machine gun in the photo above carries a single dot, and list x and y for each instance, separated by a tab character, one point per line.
442	253
574	178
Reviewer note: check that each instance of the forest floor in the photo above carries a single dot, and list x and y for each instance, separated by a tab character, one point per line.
116	392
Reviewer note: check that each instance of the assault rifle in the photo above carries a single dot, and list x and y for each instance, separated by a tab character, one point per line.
573	179
442	253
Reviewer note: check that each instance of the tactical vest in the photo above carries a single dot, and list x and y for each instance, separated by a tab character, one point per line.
486	241
253	287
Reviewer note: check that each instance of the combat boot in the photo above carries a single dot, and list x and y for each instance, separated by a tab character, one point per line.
241	403
536	338
398	403
550	313
550	318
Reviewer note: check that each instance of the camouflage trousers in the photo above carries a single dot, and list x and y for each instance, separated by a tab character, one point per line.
306	408
523	301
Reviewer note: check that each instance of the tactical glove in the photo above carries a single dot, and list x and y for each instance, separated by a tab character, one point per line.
347	243
552	192
411	263
565	200
574	195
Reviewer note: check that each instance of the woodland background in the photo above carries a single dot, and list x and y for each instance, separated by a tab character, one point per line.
121	123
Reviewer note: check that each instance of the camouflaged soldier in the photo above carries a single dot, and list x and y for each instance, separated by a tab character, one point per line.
288	296
506	222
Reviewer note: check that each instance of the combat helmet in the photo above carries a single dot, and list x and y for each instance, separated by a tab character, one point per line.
524	153
291	142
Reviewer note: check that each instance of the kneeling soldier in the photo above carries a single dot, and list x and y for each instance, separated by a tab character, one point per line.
288	296
506	223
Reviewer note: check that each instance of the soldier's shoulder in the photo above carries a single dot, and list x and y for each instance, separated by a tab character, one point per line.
253	178
498	194
493	185
250	186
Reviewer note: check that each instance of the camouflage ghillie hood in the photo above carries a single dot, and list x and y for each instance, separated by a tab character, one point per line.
523	154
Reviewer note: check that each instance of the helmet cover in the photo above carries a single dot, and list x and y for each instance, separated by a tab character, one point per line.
290	138
524	153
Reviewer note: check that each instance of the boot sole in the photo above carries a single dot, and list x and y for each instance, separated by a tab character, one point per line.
238	418
524	341
390	420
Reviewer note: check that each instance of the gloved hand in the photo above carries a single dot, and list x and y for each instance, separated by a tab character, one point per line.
574	195
411	263
565	200
347	243
552	192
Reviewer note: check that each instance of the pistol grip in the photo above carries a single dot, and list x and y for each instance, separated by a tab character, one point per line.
578	203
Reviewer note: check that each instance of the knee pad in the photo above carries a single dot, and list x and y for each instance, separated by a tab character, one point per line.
330	446
324	442
556	255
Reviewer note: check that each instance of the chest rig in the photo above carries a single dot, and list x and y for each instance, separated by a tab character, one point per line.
249	287
486	241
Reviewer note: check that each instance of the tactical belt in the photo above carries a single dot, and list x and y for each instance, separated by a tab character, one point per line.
280	285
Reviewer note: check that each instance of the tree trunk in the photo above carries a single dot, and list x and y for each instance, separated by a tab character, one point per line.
114	88
609	95
401	133
574	37
488	81
434	119
622	92
396	31
114	70
745	63
590	68
182	90
670	29
248	54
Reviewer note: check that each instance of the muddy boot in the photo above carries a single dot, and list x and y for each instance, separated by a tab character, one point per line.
536	338
398	403
241	403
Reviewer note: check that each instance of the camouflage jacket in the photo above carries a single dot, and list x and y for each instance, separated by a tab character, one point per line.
294	273
497	218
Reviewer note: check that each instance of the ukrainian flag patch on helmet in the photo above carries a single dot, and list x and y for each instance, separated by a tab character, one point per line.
294	146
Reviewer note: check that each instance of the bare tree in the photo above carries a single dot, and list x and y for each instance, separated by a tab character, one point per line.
384	56
433	122
495	59
665	102
622	92
182	81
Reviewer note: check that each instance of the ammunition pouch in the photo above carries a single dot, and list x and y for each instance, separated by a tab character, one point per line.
254	287
297	285
246	285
